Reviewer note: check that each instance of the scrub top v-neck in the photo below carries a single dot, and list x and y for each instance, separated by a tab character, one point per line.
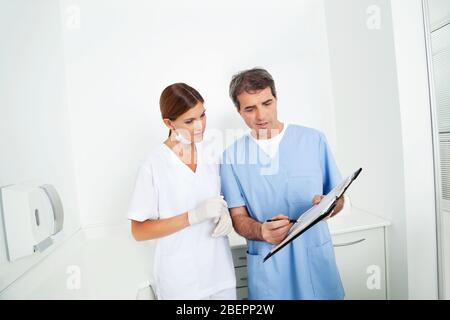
181	161
188	264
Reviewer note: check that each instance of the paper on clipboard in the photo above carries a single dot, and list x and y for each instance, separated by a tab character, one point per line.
315	213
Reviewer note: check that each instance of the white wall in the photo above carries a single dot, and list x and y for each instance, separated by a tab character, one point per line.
368	120
121	55
34	130
417	148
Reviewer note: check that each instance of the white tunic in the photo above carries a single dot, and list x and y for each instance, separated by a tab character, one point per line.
188	264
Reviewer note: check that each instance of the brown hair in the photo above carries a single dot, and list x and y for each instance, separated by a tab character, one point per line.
176	99
250	81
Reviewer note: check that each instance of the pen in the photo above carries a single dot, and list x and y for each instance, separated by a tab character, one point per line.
290	220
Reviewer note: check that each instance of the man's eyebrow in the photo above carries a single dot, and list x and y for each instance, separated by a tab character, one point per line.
252	106
268	100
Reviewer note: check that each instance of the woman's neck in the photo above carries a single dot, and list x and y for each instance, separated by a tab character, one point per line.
186	152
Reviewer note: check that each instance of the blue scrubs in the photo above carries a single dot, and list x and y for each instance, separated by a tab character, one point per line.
304	167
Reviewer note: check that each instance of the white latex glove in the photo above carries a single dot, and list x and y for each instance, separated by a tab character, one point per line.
210	209
224	225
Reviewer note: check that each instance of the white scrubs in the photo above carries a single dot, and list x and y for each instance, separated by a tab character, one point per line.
188	264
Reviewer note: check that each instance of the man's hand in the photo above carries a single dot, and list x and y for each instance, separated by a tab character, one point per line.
274	232
317	198
339	205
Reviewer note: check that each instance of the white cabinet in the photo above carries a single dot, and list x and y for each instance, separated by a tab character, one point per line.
360	246
361	260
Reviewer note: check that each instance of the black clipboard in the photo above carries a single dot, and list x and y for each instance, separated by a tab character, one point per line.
315	213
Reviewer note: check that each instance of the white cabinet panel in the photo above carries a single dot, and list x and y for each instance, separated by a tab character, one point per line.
360	257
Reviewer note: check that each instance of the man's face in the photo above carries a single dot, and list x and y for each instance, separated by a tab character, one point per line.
259	110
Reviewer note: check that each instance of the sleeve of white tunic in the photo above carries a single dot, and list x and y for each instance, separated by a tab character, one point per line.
144	201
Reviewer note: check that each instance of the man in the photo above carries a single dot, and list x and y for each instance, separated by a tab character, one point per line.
304	171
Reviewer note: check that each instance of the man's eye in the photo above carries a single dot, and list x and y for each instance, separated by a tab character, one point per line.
248	110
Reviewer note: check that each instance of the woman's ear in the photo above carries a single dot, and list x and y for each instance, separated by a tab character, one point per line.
168	123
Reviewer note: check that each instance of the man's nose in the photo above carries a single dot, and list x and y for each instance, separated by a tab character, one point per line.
260	115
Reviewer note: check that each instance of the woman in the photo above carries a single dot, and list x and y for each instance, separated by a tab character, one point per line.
177	201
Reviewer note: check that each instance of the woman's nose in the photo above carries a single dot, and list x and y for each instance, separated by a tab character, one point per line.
198	125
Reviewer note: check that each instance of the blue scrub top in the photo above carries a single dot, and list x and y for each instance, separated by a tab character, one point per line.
285	184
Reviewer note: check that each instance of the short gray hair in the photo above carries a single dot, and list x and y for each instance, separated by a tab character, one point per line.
250	81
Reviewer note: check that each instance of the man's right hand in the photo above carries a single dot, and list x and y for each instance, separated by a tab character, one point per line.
274	232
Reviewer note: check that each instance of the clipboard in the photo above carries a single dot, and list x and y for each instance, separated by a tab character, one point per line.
316	213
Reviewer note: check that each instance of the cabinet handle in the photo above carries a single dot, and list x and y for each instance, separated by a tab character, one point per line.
242	258
243	279
348	243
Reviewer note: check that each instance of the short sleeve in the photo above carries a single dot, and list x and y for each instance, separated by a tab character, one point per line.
330	172
144	200
230	186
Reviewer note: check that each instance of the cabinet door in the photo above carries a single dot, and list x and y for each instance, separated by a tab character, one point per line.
242	293
241	276
239	256
360	257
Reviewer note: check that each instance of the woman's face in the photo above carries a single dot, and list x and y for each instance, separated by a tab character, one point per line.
191	124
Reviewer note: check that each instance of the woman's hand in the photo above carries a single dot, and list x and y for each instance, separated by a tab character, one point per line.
210	209
224	225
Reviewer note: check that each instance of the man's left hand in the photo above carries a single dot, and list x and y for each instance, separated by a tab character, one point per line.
339	205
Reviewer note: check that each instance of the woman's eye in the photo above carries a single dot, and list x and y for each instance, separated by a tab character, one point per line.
203	115
188	122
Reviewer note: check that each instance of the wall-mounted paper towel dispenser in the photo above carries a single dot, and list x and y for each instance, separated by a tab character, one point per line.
32	214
